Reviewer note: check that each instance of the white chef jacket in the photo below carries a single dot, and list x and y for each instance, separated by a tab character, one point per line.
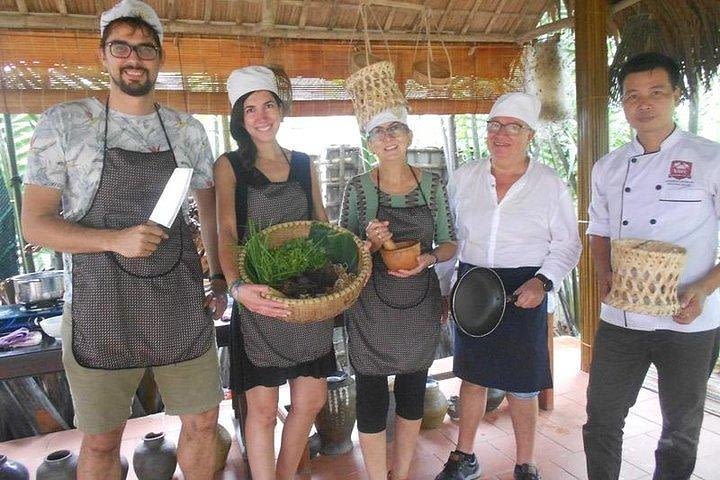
670	195
533	225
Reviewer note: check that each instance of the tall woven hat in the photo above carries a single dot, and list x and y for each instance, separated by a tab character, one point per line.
373	89
645	276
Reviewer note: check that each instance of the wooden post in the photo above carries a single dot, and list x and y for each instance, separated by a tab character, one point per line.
591	17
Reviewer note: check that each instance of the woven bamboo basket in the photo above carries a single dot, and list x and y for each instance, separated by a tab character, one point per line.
309	310
645	276
373	89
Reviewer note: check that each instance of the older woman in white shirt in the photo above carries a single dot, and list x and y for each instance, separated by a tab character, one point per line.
516	216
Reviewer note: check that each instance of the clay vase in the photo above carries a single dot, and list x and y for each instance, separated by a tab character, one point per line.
59	465
436	405
222	448
12	470
154	458
494	399
336	420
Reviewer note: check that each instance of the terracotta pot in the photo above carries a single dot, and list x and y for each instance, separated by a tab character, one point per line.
155	458
224	441
436	405
403	257
336	420
12	470
59	465
494	399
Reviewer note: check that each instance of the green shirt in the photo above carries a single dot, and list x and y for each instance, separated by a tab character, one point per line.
360	204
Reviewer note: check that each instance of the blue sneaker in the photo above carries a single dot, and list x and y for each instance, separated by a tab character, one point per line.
460	466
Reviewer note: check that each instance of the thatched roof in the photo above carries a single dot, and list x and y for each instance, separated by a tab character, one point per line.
48	48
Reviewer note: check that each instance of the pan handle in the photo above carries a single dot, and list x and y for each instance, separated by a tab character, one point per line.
512	298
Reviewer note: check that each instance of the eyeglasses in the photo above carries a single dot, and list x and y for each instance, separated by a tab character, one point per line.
144	51
511	129
393	131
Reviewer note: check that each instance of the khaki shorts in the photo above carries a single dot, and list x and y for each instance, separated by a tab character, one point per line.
103	398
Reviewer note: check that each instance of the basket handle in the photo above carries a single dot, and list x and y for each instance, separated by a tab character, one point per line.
364	8
426	29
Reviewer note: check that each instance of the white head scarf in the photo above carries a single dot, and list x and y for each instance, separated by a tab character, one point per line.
397	114
518	105
250	79
132	8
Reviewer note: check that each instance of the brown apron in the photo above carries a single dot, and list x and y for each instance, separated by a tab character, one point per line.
137	312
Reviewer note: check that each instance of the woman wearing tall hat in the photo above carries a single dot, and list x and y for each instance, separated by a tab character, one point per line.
393	328
263	183
517	217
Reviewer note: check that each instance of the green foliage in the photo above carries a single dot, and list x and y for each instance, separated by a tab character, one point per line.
339	247
268	266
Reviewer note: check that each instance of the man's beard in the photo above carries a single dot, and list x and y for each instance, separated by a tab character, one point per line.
134	89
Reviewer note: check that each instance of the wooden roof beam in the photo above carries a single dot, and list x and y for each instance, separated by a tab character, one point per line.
61	7
303	15
471	15
229	29
445	15
269	9
208	11
567	22
389	20
498	10
172	10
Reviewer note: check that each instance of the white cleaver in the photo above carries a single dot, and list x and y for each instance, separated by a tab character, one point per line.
172	198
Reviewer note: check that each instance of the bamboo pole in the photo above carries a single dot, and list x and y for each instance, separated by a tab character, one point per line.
593	138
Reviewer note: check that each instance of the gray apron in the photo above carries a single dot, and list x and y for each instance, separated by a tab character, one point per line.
137	312
394	327
268	341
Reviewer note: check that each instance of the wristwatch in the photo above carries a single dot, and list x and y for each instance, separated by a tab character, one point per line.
546	282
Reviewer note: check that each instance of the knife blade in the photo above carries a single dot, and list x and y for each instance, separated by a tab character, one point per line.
172	197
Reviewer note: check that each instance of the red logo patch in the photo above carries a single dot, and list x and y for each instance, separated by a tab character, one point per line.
680	169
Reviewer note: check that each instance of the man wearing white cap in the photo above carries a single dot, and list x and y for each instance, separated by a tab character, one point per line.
133	296
516	217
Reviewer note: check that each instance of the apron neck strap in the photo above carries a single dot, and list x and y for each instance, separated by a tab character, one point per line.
417	182
157	111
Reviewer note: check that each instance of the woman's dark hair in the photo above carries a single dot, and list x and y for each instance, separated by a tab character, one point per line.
246	147
645	62
134	23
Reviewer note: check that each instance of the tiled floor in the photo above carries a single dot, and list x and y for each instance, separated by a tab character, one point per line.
559	440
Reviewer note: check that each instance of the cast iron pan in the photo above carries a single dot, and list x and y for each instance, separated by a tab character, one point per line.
478	301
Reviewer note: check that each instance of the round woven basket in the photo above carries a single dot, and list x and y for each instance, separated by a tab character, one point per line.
431	73
373	89
307	310
645	276
360	60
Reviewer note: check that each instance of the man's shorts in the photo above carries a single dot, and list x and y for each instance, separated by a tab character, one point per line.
103	398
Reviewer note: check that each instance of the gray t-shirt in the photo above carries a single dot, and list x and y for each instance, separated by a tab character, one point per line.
66	151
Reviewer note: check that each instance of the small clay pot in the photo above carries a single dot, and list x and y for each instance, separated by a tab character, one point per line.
222	449
59	465
155	458
436	405
12	470
335	422
494	399
403	257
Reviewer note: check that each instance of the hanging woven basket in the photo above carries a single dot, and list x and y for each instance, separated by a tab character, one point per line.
645	276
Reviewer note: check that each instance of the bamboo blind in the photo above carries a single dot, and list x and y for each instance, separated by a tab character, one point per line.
39	69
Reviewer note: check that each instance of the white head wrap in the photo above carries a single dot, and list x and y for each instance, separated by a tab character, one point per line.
518	105
397	114
250	79
132	8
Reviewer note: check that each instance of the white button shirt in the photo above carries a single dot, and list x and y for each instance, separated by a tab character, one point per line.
670	195
533	225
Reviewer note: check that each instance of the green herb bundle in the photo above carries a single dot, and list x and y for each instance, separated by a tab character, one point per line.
268	266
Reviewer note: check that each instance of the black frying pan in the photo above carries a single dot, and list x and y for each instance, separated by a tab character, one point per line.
478	301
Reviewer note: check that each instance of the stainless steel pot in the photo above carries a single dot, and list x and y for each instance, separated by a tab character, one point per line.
39	286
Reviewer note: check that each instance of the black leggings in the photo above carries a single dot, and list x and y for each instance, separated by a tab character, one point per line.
373	399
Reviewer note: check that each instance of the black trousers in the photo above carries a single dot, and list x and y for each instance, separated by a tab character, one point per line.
373	399
621	358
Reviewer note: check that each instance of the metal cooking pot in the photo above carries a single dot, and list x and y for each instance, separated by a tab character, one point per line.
478	301
39	286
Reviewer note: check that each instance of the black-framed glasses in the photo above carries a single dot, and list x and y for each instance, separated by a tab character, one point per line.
144	51
393	130
511	129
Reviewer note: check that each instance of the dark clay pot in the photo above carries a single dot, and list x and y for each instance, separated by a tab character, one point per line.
224	441
12	470
436	405
336	420
59	465
154	458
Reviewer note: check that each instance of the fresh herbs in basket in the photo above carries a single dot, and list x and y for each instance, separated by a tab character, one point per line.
309	267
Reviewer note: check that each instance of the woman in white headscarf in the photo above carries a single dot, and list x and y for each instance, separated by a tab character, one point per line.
516	216
393	328
263	183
